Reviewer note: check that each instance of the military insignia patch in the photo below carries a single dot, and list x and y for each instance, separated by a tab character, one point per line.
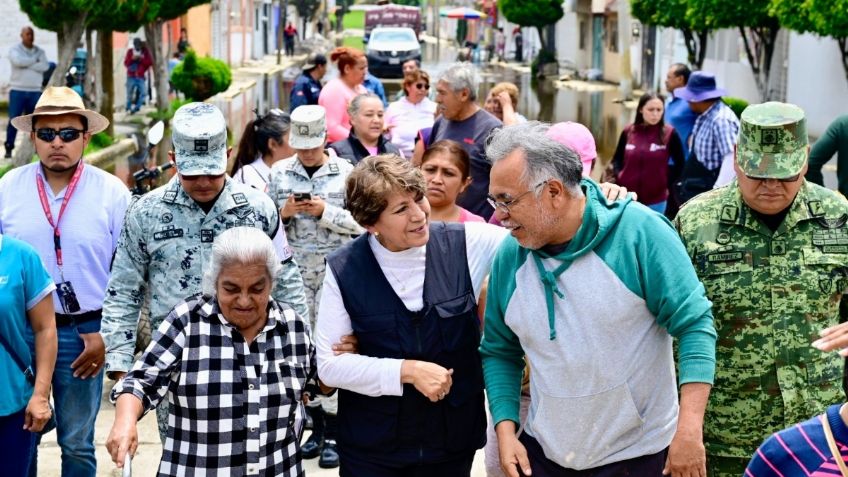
334	168
778	247
816	209
170	196
239	198
729	213
201	145
207	235
723	238
166	218
769	137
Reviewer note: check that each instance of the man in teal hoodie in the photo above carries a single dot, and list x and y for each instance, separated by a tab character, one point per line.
592	294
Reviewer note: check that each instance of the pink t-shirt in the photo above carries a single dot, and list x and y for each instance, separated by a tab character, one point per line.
335	97
466	216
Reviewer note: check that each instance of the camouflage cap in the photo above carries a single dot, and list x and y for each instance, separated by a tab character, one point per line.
772	141
200	140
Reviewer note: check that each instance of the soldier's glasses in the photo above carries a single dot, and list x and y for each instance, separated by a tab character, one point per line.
208	176
504	206
65	134
784	180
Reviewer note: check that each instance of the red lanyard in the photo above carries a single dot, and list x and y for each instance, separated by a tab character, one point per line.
57	243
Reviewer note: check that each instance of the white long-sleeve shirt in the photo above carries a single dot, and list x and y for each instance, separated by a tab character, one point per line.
405	273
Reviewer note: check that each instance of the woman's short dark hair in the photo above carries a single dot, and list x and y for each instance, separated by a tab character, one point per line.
458	155
374	179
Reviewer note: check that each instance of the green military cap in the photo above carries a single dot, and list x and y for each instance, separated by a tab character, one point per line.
772	141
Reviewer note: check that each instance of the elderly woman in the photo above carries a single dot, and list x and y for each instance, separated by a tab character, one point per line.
502	102
411	113
232	363
411	403
366	133
309	190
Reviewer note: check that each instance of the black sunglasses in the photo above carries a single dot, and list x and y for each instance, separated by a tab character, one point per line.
422	86
65	134
784	180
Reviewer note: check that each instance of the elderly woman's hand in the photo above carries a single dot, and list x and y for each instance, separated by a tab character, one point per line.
430	379
346	344
123	438
615	192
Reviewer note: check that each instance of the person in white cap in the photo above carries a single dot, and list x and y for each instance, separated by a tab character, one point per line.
166	240
71	213
309	189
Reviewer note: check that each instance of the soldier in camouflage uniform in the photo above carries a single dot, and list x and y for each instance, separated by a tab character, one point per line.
772	252
167	236
309	188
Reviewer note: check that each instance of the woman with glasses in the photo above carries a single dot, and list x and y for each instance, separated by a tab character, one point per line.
411	113
265	141
411	401
366	132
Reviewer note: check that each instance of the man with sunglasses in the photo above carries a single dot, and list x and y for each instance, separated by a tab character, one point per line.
71	213
772	252
166	240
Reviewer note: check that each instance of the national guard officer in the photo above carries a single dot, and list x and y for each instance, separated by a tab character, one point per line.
166	240
772	251
309	188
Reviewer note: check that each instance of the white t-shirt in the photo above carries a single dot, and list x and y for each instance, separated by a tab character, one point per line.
405	273
255	174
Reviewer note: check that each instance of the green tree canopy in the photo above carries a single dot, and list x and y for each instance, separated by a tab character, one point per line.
124	15
821	17
538	13
756	24
672	14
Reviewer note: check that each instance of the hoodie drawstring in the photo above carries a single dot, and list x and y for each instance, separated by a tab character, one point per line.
549	280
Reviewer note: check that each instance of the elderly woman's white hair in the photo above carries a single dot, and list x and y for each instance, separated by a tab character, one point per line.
461	76
240	246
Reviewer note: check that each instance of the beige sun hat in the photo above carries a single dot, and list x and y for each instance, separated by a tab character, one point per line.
57	100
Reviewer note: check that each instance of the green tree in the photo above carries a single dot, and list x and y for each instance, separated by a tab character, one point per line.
820	17
201	78
672	14
757	26
539	14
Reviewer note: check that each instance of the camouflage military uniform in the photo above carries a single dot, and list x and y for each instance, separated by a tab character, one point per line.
310	237
772	293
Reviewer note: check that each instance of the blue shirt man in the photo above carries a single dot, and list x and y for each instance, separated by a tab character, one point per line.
678	114
307	87
374	85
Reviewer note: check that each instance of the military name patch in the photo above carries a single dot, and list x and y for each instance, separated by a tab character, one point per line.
334	168
168	234
170	196
207	235
725	257
239	198
835	248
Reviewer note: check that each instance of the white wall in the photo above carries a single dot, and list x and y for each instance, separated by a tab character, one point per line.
816	80
10	34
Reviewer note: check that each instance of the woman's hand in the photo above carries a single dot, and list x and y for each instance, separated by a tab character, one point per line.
289	209
37	413
313	206
122	440
615	192
430	379
346	344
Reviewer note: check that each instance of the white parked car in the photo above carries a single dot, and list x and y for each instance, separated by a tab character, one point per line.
388	48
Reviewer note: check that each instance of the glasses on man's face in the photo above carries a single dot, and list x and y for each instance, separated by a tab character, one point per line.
504	206
65	134
787	180
422	86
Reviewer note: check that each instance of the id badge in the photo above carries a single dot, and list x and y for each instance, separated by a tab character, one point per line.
67	297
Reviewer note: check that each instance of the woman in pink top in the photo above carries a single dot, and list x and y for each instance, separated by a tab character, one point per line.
446	168
338	92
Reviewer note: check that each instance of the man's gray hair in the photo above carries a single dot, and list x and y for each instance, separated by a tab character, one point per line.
240	246
544	158
460	76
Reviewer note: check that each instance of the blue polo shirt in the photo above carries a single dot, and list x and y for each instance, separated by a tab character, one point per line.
680	116
23	284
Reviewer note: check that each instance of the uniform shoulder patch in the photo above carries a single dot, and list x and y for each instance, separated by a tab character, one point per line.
239	198
729	213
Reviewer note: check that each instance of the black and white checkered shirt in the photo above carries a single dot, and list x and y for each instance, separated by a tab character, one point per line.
235	409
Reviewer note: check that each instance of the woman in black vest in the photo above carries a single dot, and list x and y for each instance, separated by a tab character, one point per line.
366	132
411	401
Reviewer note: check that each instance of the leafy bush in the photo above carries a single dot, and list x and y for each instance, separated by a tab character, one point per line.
99	141
5	168
736	104
201	78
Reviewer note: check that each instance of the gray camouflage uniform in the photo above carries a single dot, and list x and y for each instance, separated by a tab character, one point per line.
165	243
312	238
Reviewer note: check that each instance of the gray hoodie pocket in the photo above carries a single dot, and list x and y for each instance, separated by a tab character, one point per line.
582	432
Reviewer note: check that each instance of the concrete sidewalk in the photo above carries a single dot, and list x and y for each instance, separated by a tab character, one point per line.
147	457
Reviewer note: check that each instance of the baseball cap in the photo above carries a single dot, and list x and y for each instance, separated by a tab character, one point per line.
314	60
578	138
199	134
772	141
308	127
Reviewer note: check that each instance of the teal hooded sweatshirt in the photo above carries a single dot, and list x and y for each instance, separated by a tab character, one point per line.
596	324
